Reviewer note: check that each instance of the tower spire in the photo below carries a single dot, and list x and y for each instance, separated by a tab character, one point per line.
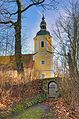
43	15
43	23
43	30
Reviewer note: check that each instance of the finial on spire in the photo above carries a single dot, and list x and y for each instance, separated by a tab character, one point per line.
43	23
43	15
43	18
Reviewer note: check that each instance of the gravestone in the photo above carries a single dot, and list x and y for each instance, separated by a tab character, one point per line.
53	89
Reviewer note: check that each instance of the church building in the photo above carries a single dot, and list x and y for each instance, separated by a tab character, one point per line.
43	49
40	63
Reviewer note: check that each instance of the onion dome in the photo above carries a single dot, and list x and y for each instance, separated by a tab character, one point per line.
43	30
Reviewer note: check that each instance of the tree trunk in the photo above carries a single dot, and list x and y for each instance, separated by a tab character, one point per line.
18	55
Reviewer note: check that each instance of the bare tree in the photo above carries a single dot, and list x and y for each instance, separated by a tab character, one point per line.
6	43
8	16
67	33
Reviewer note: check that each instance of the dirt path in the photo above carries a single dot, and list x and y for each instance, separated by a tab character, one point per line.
42	106
48	114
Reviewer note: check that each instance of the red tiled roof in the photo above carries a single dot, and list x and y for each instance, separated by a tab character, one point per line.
31	63
27	60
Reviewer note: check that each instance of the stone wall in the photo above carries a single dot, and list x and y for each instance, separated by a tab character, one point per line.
28	90
46	82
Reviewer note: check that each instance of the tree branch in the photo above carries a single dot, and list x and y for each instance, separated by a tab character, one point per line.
33	4
7	22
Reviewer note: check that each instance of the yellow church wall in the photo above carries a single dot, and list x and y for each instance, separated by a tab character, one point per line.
38	59
46	39
42	54
49	41
47	74
43	68
4	60
39	72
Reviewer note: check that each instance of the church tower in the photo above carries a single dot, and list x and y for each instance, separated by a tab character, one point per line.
43	57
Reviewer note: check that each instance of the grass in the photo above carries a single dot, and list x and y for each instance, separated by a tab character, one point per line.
31	113
28	103
21	107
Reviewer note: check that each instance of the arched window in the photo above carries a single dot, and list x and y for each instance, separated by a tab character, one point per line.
42	75
42	43
42	62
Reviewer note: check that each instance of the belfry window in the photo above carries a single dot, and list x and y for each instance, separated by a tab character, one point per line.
42	62
42	43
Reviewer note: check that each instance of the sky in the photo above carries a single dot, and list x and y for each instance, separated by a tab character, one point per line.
31	23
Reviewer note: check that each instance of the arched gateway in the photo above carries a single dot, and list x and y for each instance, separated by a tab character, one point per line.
53	89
